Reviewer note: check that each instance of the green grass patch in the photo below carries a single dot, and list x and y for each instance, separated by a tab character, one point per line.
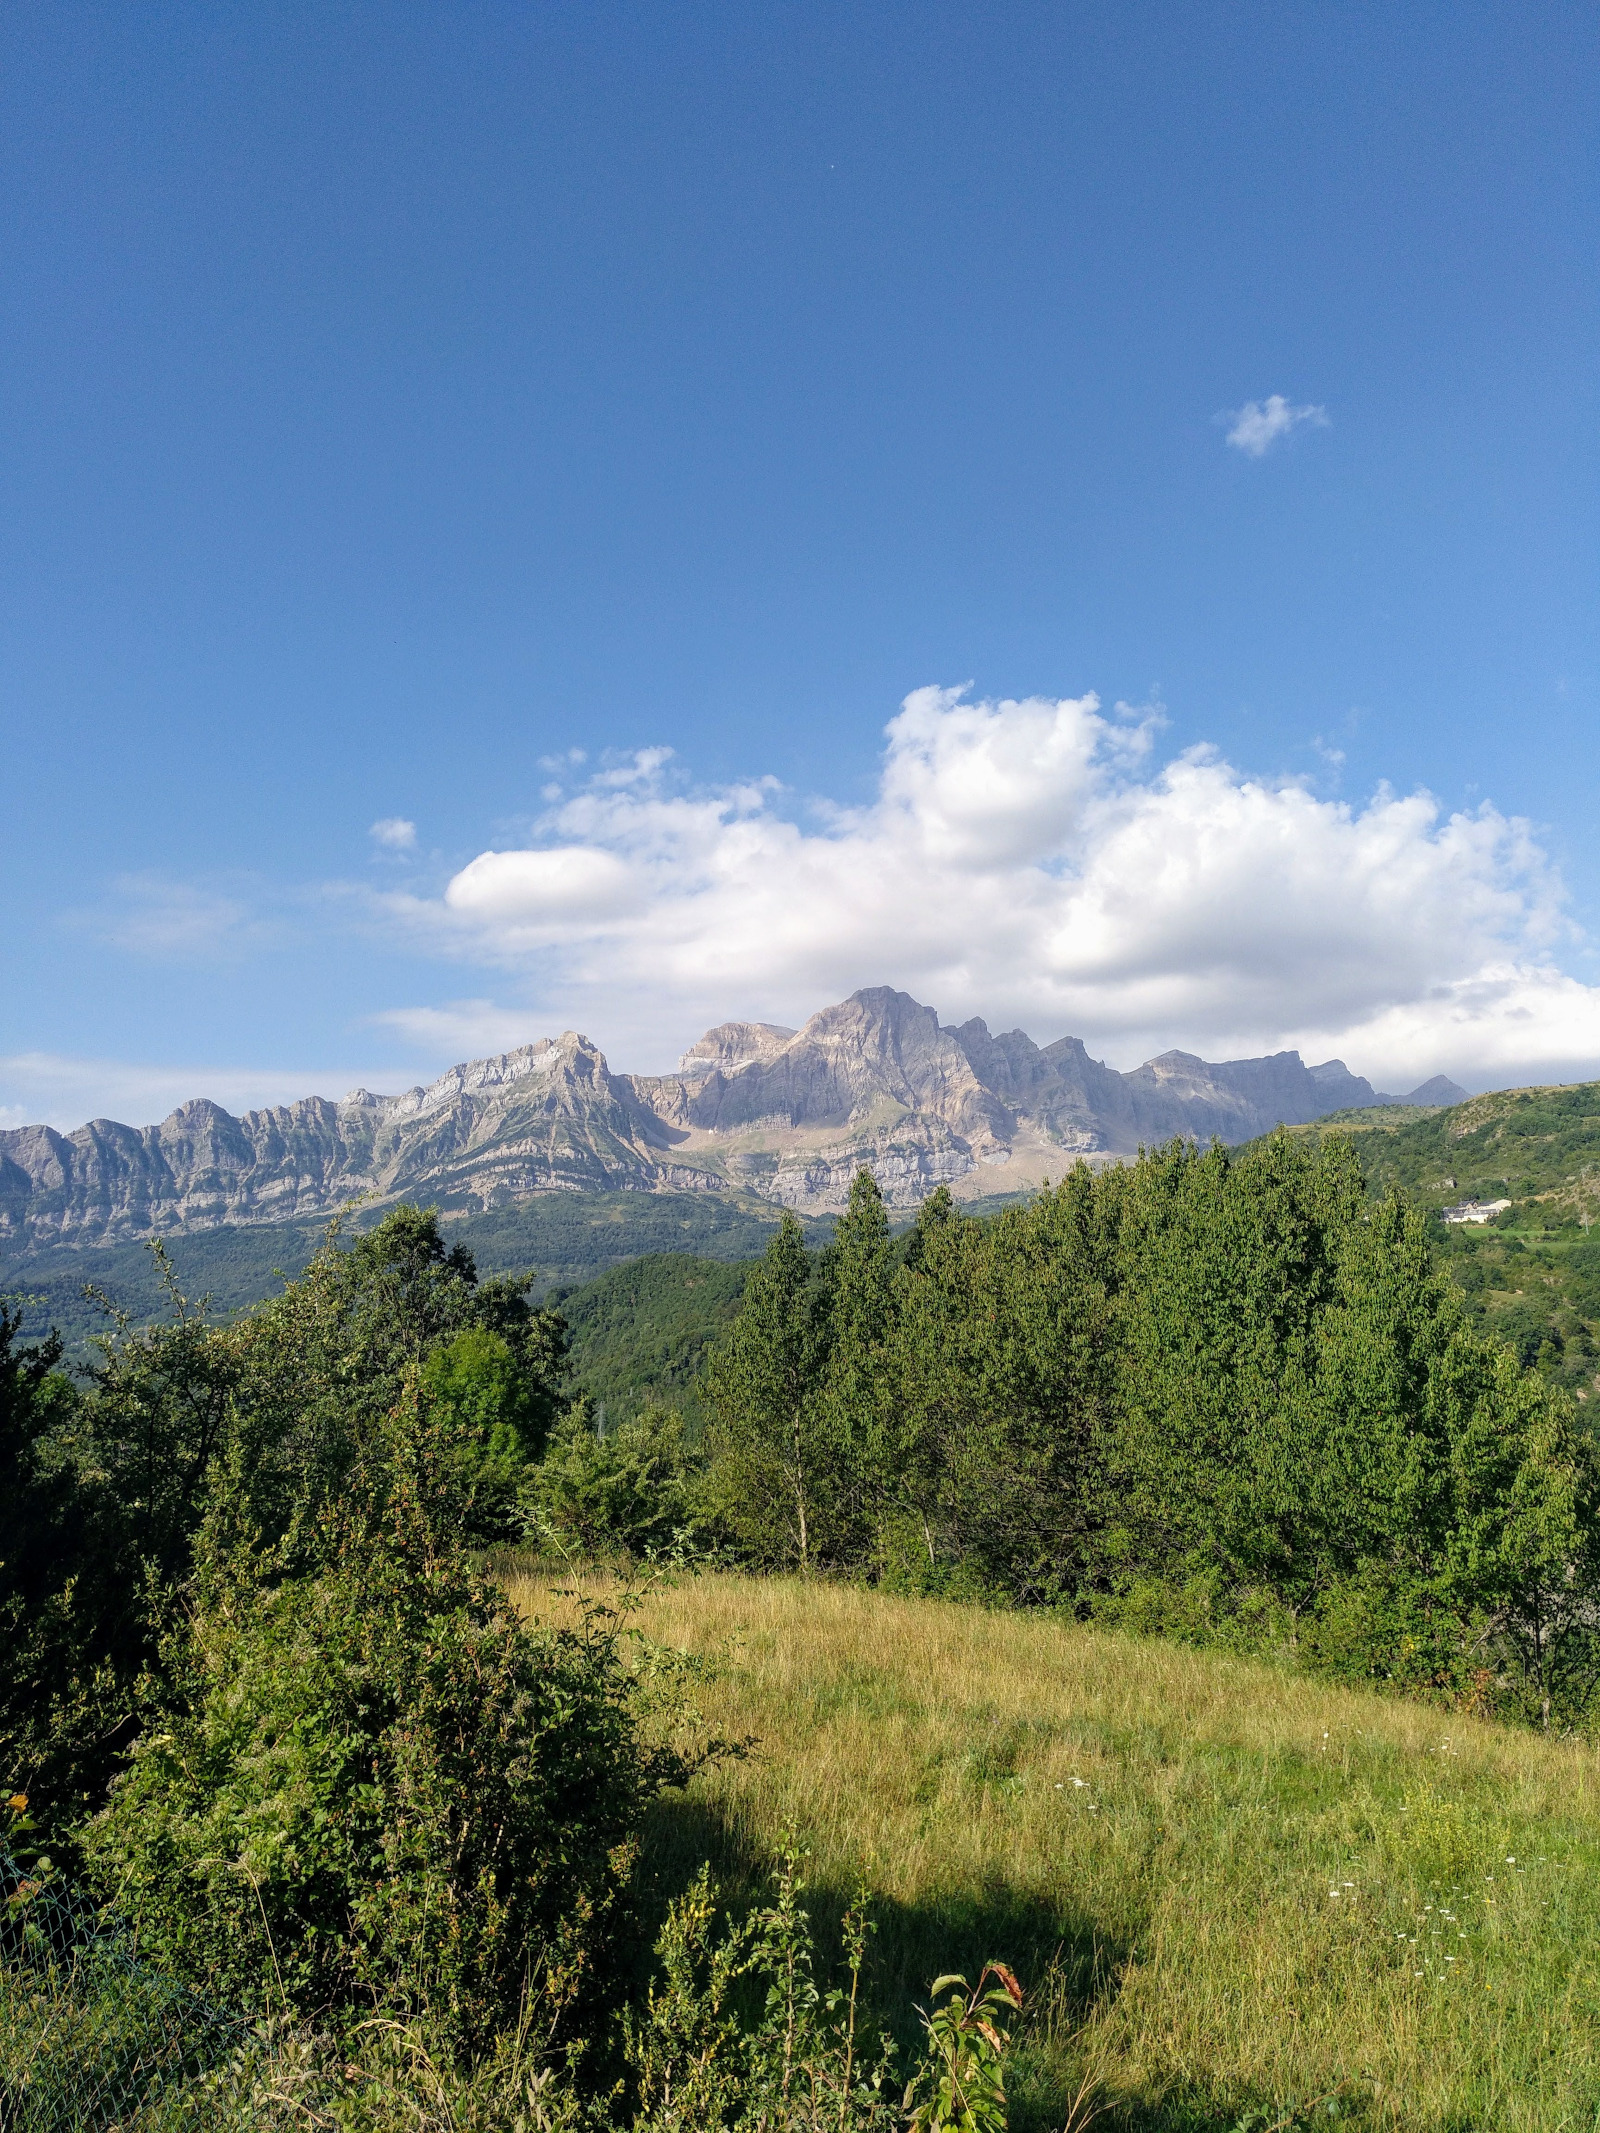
1228	1888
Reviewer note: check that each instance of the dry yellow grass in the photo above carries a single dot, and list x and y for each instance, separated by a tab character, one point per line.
1229	1886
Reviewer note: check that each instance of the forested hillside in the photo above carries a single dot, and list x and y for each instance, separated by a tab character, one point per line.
299	1824
1538	1147
640	1334
1532	1275
1228	1396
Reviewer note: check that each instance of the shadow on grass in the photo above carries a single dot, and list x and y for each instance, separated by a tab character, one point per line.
1067	1965
1070	1965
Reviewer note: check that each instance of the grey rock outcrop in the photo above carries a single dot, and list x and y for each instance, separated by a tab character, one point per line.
788	1115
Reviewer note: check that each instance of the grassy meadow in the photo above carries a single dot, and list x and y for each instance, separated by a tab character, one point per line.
1229	1890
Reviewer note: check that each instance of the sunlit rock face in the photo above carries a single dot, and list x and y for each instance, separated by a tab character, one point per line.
785	1115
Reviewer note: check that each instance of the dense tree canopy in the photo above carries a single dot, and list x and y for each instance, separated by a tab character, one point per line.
1223	1394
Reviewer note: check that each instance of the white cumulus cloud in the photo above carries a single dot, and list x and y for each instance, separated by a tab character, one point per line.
1259	424
1032	861
393	833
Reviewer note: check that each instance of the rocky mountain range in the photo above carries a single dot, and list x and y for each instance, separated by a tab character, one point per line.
784	1115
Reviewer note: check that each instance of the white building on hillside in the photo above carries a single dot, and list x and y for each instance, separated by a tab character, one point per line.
1474	1210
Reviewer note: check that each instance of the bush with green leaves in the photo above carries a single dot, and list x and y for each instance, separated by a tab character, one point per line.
322	1365
104	1486
624	1491
495	1414
805	2065
369	1786
65	1613
740	2032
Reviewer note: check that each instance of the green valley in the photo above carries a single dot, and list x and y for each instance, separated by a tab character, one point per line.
640	1332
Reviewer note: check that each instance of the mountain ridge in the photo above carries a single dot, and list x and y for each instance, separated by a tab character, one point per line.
786	1116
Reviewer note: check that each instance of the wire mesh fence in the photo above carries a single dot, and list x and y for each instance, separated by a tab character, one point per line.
92	2040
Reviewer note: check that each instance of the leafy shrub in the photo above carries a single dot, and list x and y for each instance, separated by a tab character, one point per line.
479	1391
372	1786
804	2064
625	1492
323	1365
59	1606
104	1488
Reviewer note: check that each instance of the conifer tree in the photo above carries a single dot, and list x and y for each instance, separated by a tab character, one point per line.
763	1382
858	1279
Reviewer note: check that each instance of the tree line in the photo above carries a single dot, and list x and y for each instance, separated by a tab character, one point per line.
1223	1395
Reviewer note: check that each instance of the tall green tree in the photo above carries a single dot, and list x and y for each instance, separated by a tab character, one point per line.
763	1382
855	1412
1226	1265
1004	1379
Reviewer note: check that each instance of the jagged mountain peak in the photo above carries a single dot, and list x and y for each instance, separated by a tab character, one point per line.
732	1046
877	1013
476	1077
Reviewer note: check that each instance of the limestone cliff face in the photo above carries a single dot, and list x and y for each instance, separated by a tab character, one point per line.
876	1054
732	1045
788	1115
550	1115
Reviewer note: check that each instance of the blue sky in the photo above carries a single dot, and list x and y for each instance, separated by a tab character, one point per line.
401	403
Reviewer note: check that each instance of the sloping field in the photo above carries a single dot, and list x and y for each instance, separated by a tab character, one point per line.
1230	1889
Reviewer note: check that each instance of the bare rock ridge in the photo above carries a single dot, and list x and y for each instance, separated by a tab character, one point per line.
783	1114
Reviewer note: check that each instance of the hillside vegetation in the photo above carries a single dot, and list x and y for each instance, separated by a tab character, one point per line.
300	1825
261	1694
1220	1395
1533	1274
1538	1147
640	1333
1226	1887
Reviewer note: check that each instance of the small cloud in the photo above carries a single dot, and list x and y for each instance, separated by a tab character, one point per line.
641	767
1259	424
154	916
394	833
